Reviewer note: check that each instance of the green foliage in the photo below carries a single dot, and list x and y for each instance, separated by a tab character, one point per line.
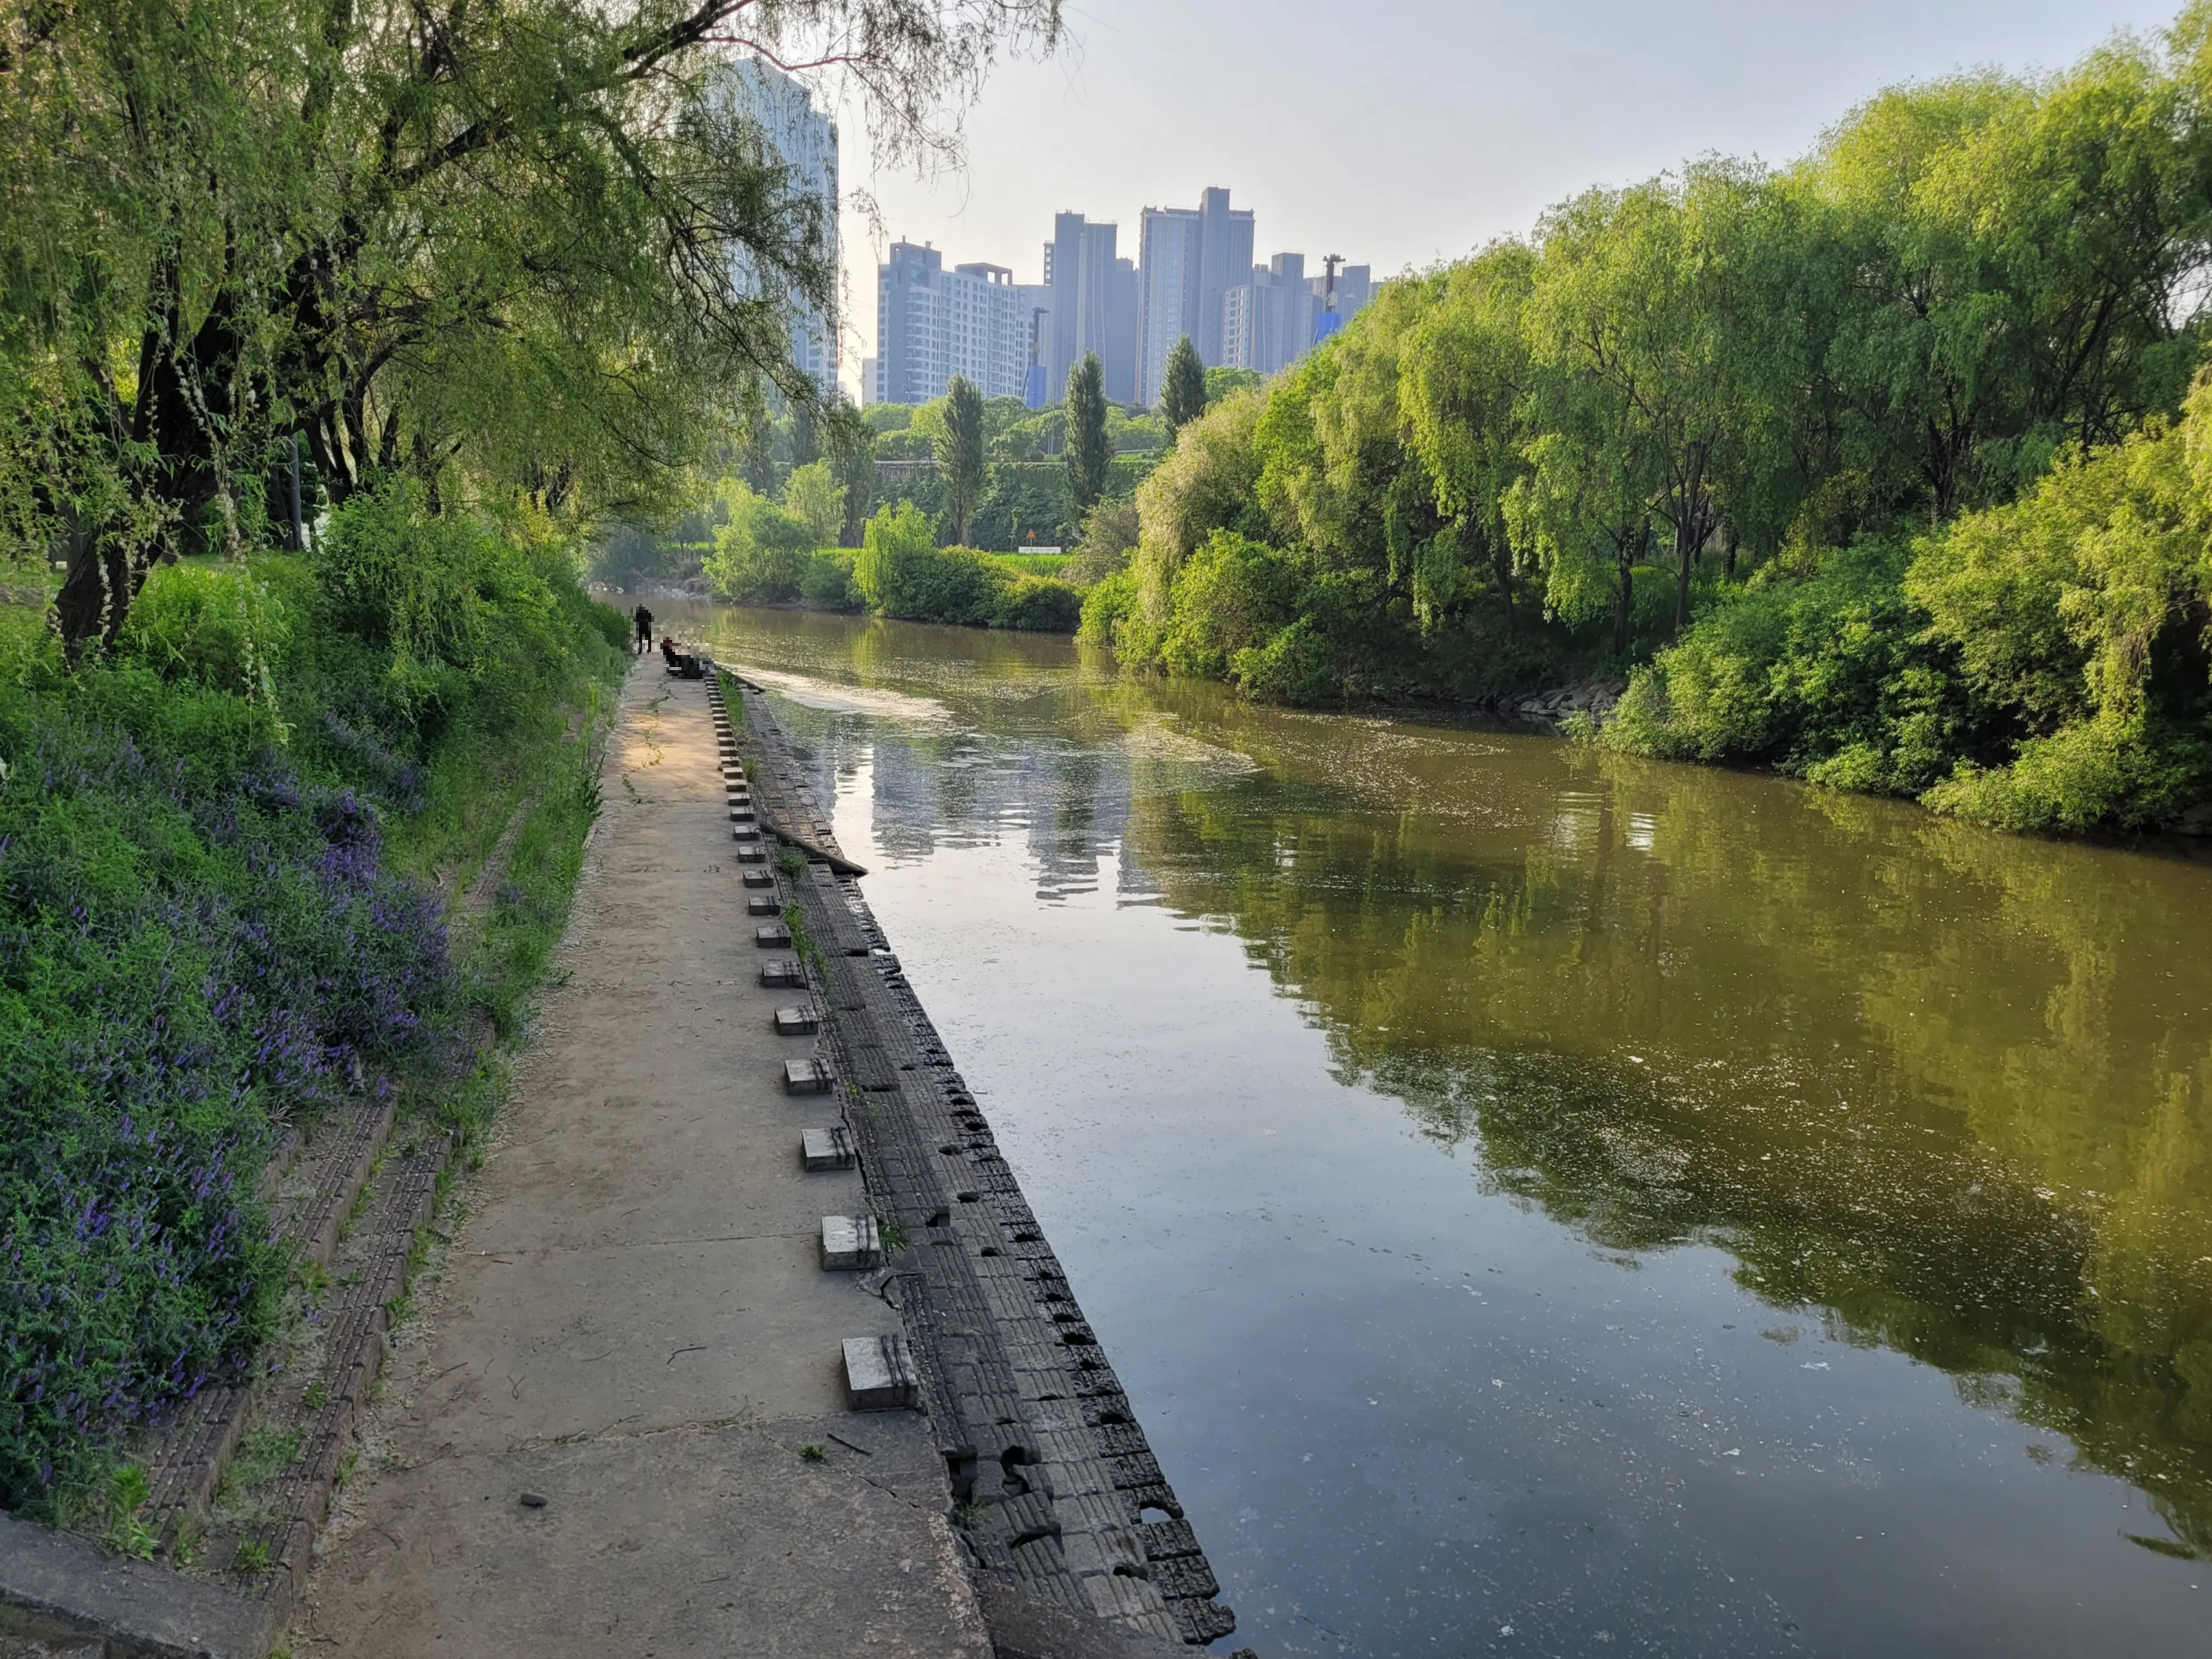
761	556
128	1490
1231	594
1827	672
1089	451
813	495
1227	382
1182	389
210	882
960	445
2038	665
1872	452
828	584
1038	604
1110	531
1110	599
903	573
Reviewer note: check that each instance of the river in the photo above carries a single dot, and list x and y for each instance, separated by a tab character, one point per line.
1546	1203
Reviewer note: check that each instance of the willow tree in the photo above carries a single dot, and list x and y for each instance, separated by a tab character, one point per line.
1464	379
541	244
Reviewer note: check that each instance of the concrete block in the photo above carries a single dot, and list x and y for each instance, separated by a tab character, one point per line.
786	972
880	1373
806	1077
764	904
774	937
68	1591
759	878
745	832
752	855
850	1243
741	815
797	1022
828	1148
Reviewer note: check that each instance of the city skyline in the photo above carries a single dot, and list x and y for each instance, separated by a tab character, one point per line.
1418	155
1195	276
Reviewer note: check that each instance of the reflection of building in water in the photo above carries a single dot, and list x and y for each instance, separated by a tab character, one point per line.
963	789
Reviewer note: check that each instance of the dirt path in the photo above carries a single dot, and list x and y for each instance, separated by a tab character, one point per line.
633	1326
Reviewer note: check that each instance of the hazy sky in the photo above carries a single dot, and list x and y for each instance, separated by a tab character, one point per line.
1397	133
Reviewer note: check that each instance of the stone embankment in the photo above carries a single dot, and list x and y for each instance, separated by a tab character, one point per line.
1059	1500
1552	709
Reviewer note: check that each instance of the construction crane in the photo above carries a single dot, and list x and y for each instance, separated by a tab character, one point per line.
1329	322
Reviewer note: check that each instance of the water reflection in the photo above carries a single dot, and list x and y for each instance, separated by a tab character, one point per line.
1932	1092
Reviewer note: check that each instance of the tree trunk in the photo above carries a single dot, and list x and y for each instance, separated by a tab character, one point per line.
1686	552
1627	546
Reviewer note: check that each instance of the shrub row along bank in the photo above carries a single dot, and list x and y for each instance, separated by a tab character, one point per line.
215	919
770	555
1881	456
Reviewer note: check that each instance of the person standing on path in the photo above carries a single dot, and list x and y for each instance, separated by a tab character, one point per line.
643	618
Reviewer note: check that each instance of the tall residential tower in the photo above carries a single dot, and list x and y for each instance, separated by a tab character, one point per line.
805	141
1193	257
933	324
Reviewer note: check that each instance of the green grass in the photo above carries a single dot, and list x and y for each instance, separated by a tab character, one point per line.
1034	565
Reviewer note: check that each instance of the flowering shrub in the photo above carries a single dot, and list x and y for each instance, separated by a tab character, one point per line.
203	933
180	971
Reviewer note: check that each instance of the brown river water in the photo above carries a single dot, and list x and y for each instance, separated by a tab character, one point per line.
1544	1203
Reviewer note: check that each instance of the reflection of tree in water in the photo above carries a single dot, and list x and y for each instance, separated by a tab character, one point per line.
1907	1074
1947	1088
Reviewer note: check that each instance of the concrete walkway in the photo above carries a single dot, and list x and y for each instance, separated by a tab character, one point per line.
633	1324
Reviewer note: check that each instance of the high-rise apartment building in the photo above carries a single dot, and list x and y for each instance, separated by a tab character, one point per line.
1093	297
805	141
1224	258
1268	323
1192	258
933	324
1167	292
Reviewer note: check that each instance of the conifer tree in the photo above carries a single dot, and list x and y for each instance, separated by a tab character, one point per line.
960	454
1088	453
1183	394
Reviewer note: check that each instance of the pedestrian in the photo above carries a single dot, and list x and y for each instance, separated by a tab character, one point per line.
644	621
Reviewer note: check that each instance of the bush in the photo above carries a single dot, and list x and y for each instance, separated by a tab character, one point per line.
1231	594
1104	606
828	583
761	554
903	573
1039	605
1830	674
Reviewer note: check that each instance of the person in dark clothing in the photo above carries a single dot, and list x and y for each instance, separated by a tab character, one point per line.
644	621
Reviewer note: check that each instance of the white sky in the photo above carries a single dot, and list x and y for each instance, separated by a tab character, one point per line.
1398	132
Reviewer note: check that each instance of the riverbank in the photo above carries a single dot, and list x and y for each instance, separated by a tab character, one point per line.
619	1407
627	1378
